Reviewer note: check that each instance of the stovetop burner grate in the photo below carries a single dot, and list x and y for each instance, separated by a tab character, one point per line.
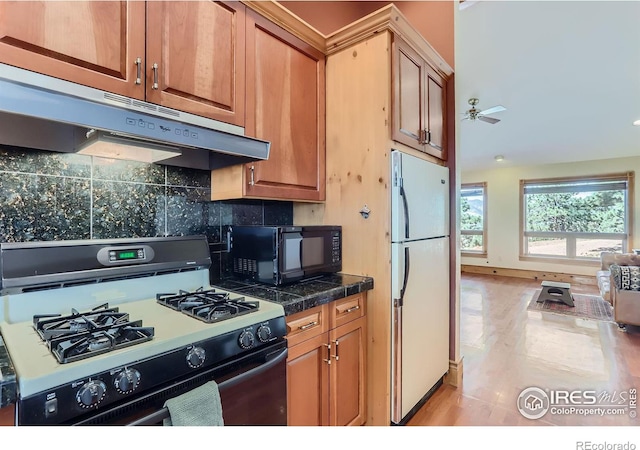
83	335
209	305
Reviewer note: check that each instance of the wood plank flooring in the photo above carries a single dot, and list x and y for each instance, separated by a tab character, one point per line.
506	349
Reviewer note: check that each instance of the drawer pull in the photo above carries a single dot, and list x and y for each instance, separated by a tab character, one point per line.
352	309
307	326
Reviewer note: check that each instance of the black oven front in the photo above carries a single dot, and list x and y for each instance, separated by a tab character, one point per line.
253	391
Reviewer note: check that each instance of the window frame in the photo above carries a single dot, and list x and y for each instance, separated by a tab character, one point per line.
571	237
475	253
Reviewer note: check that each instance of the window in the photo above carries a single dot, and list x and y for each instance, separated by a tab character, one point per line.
575	218
473	219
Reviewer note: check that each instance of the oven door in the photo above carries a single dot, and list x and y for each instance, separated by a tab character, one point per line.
253	391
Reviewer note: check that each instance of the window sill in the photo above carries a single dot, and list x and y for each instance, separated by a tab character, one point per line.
561	260
473	254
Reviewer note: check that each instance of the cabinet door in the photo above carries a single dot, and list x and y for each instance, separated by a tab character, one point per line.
348	377
409	95
94	43
308	382
435	113
285	106
195	57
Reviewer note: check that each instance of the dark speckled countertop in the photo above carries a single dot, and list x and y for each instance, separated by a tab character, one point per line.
304	294
7	378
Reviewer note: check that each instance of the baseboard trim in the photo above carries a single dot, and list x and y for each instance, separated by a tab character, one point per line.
531	274
454	375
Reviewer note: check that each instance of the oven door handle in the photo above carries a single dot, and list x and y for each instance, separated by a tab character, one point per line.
163	413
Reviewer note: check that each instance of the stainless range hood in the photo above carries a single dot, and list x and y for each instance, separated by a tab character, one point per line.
41	112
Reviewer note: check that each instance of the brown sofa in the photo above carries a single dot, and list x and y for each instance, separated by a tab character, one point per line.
619	284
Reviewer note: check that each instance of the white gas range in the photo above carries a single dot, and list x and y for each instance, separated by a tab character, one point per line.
105	331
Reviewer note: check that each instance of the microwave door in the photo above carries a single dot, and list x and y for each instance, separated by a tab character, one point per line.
291	257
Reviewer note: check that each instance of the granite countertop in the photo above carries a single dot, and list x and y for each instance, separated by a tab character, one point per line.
7	378
304	294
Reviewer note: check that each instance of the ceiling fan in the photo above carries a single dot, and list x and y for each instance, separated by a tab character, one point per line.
475	114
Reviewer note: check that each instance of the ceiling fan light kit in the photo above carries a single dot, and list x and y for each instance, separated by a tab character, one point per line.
475	114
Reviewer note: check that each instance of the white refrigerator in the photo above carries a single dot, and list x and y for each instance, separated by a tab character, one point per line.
420	281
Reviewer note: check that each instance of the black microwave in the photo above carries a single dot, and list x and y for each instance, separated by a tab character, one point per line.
283	254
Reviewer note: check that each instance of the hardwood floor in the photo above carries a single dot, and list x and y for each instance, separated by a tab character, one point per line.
507	349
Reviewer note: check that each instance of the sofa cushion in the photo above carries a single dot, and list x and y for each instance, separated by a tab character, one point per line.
620	259
626	277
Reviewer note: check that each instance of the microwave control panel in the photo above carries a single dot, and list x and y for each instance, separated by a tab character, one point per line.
335	248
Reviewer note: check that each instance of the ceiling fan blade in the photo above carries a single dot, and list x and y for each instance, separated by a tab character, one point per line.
490	120
494	109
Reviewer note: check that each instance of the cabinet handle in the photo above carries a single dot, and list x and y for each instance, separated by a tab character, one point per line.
352	309
251	180
328	360
138	70
423	137
155	76
307	326
427	136
336	356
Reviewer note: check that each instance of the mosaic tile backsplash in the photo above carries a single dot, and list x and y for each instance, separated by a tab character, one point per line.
48	196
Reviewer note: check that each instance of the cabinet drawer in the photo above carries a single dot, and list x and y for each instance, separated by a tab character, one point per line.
347	309
307	324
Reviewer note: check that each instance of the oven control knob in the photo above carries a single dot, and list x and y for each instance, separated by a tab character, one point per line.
246	339
196	357
264	333
127	381
91	393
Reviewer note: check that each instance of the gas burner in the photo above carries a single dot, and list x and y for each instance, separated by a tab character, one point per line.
82	335
208	306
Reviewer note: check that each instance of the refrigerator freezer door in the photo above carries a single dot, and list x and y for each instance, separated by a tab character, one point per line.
420	315
419	198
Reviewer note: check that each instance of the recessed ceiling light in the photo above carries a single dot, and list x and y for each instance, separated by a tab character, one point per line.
499	158
637	123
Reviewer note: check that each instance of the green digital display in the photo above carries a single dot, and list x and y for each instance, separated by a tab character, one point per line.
127	254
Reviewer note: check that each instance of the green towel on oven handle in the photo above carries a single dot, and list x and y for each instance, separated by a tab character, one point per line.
198	407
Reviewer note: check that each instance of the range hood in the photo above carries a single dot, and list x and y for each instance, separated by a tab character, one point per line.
41	112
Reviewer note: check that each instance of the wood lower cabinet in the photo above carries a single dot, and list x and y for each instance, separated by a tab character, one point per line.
183	55
418	101
7	416
285	93
326	369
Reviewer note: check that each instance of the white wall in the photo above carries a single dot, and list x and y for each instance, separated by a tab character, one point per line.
503	208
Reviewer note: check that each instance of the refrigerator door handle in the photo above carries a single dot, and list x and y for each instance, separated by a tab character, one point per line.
405	206
407	267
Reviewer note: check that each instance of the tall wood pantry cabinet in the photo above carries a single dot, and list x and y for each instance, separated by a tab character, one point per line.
362	99
183	55
326	378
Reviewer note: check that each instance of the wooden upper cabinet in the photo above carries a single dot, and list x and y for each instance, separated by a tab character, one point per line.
285	106
94	43
418	102
196	57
